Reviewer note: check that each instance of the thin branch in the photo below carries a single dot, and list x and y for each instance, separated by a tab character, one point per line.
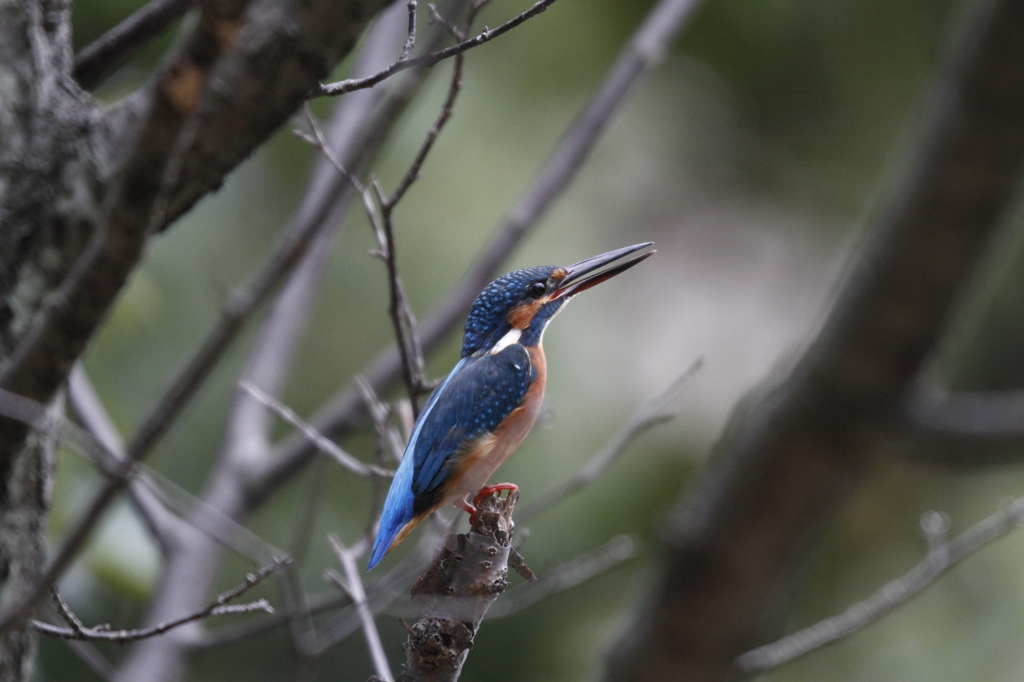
399	310
410	40
352	585
432	58
322	443
380	210
941	557
99	59
390	444
963	429
92	414
440	20
454	88
648	416
966	415
379	216
220	606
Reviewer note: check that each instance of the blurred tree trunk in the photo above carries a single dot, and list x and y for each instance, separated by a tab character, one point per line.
82	189
791	456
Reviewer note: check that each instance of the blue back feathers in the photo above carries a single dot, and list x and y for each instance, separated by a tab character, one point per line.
472	402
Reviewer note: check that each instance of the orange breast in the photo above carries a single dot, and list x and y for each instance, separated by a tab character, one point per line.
488	452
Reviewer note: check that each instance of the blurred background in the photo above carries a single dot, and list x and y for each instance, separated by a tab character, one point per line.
753	156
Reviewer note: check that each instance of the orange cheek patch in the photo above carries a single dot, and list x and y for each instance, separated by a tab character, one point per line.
521	316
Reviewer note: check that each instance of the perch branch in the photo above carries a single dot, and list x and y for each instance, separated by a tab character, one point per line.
456	592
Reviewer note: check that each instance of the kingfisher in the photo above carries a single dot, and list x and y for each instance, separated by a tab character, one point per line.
489	402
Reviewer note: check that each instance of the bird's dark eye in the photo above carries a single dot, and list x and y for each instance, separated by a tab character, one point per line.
537	289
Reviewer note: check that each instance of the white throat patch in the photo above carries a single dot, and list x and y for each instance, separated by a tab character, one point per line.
511	337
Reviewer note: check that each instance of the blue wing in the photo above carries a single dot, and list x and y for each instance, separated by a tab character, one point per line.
473	400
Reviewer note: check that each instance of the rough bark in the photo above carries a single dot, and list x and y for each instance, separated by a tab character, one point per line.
788	462
23	516
456	592
82	190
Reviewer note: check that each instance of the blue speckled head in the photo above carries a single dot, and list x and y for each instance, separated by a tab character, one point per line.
528	299
491	315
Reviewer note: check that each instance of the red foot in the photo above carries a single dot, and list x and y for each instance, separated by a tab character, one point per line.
491	489
484	492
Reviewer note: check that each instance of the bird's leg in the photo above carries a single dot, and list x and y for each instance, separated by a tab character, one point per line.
491	489
484	492
465	506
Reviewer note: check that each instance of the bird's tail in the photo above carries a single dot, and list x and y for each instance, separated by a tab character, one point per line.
396	519
388	535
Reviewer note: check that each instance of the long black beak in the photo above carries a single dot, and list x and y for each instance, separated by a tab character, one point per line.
587	273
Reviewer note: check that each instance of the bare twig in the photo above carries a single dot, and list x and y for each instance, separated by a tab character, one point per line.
432	58
402	317
322	443
220	606
99	59
379	595
941	557
410	40
390	443
454	88
440	20
92	414
648	416
352	585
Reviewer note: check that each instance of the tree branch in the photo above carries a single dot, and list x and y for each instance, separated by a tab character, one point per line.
322	444
942	556
647	416
789	460
432	58
97	60
961	429
221	606
454	595
352	585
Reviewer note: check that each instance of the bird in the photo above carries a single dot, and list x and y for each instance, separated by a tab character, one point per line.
490	400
